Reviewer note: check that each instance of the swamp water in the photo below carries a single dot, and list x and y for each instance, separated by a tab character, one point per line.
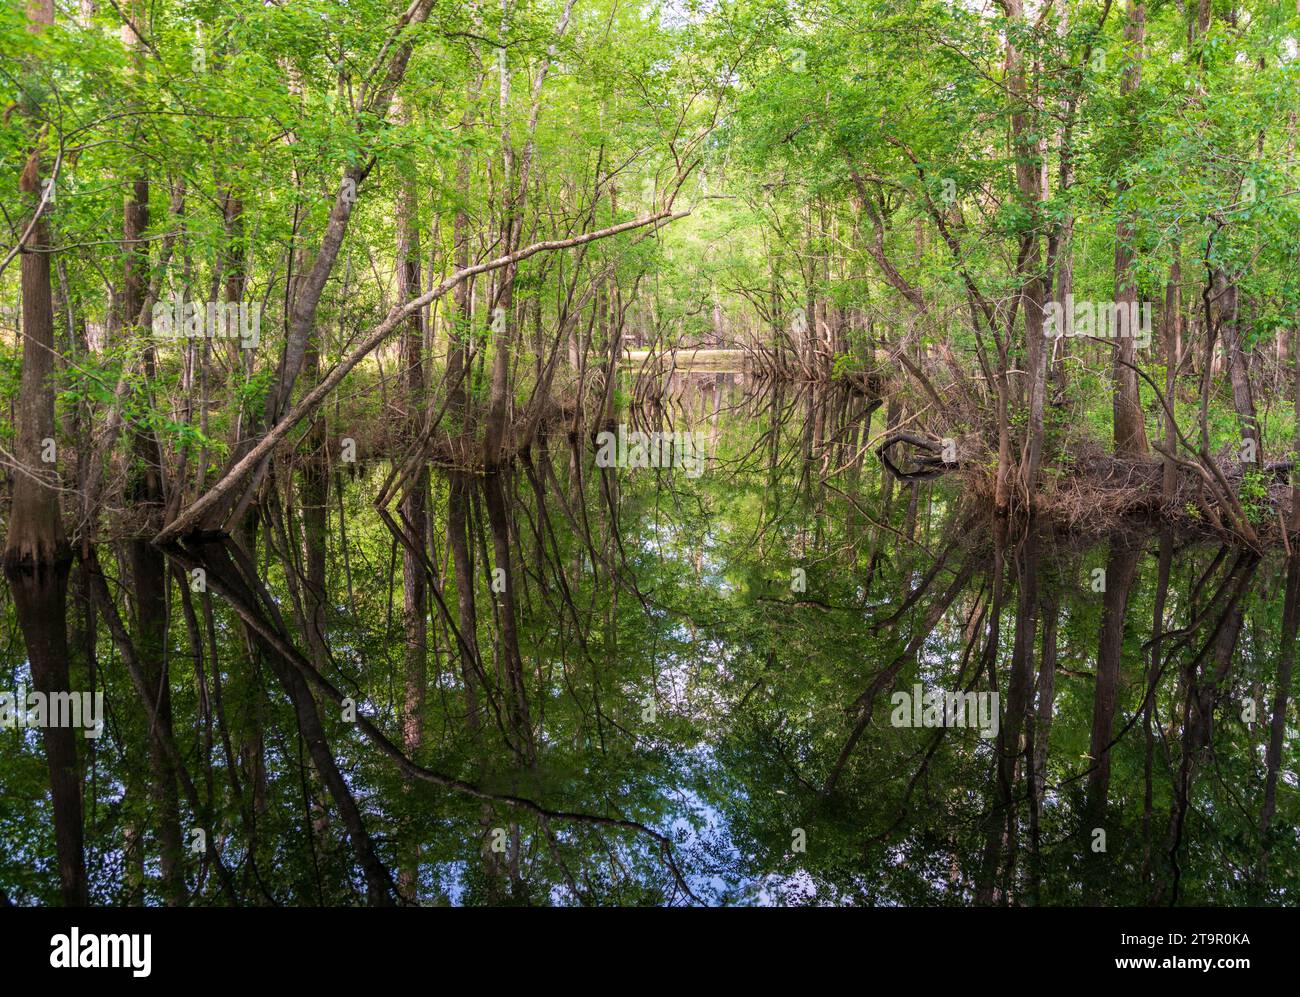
787	679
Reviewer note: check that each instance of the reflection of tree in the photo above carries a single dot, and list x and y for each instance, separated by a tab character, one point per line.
649	712
934	816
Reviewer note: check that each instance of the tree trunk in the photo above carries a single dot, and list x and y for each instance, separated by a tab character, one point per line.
37	557
1129	426
414	504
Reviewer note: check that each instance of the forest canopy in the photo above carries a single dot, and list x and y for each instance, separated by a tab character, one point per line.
512	451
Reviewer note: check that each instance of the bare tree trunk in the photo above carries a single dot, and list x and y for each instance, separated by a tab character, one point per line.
37	557
1295	440
148	566
1027	149
1060	246
1130	429
1173	321
1154	663
414	504
1277	729
1121	569
459	483
507	579
1243	399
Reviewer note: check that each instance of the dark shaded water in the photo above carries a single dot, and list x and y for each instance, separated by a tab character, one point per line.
719	685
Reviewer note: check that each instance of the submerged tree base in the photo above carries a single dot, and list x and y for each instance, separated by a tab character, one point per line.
1097	493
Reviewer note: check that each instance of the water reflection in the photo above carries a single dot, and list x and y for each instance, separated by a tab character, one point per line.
646	687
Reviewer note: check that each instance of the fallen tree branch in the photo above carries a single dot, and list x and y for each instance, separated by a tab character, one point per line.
933	466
